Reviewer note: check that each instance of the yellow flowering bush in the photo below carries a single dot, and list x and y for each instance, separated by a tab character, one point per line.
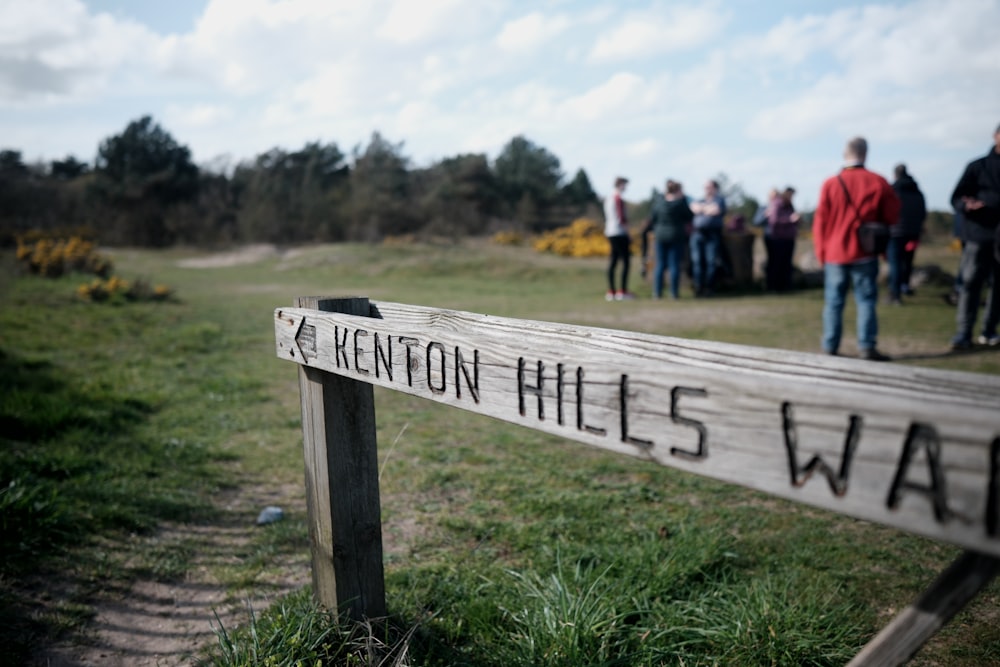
508	238
51	255
116	288
581	238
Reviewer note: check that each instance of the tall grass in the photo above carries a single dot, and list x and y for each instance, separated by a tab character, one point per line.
503	546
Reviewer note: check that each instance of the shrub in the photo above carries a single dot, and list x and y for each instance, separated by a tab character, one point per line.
116	287
581	238
53	255
508	238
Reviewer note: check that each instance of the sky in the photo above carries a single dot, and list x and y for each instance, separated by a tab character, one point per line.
765	93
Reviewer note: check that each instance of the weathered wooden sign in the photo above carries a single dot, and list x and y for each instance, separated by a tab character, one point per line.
908	447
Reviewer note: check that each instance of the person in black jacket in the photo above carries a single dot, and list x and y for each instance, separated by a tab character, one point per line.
977	197
905	235
669	221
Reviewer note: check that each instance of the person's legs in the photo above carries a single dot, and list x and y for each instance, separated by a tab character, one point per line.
992	316
626	253
770	269
973	274
713	240
619	253
907	266
894	253
661	266
789	263
864	277
783	251
612	264
698	261
675	257
835	279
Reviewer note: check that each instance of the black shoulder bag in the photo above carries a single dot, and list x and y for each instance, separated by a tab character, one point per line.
873	237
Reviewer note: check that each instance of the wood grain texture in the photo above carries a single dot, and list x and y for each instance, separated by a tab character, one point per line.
951	591
909	447
342	494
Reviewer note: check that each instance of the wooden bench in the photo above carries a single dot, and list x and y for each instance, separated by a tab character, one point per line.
908	447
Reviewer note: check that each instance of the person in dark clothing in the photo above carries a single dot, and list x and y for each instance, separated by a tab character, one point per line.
905	235
977	197
669	221
779	240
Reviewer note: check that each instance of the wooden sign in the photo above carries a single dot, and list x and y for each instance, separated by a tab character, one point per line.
908	447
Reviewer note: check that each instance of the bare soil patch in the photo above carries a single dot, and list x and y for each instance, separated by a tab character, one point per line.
161	624
244	255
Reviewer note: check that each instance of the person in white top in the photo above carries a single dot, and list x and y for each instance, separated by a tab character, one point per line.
616	229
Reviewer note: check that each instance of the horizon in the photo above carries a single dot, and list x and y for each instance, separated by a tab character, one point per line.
649	90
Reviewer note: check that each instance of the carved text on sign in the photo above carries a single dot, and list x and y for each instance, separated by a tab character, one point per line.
941	473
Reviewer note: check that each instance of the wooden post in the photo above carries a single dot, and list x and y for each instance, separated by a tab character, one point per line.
342	494
948	595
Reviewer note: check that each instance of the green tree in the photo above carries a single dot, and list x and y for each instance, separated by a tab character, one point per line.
11	164
141	173
738	202
293	197
579	191
528	177
144	161
68	169
28	200
459	195
380	203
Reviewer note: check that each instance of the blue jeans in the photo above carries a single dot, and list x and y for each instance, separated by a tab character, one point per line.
863	277
668	254
704	251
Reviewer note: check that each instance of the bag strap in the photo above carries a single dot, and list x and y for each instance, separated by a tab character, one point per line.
847	194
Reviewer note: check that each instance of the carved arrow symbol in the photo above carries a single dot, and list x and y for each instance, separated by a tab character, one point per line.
305	338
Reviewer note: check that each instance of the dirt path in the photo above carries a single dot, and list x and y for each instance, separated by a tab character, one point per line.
159	624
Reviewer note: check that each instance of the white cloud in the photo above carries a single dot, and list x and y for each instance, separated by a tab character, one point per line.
643	148
530	32
902	72
53	51
410	22
611	99
38	24
198	115
659	30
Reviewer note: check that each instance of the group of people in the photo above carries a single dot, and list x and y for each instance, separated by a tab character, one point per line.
848	203
677	225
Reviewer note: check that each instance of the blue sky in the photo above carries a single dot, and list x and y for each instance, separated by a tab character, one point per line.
766	93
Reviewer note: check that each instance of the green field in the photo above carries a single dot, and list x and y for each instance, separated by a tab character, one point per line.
503	546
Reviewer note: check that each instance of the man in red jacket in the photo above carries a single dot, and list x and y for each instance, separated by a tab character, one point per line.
853	196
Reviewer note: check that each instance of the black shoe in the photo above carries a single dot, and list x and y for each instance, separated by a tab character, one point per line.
961	344
874	355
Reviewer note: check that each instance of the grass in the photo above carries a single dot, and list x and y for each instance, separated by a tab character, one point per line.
503	546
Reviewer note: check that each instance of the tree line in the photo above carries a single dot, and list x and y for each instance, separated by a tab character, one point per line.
144	189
